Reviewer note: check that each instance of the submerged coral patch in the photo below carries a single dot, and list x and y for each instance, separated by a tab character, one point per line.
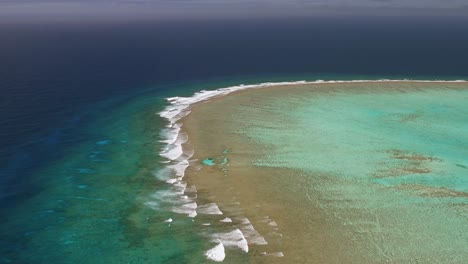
209	161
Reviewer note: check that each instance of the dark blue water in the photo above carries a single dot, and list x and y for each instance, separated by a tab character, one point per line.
57	79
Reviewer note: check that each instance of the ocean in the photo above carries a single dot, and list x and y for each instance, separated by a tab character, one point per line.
80	133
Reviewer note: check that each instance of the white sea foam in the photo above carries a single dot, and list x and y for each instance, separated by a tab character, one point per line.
163	174
245	221
252	236
169	134
234	238
192	214
226	220
189	209
276	254
173	173
152	204
165	195
217	253
273	223
180	168
177	162
270	222
171	181
181	185
209	209
172	152
191	189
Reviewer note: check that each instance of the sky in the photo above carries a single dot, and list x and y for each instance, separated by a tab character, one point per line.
185	9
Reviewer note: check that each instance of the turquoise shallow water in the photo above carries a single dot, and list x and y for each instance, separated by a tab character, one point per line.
388	161
372	129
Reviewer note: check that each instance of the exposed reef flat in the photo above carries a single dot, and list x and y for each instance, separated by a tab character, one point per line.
364	172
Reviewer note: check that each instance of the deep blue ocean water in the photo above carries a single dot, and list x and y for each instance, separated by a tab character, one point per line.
73	97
